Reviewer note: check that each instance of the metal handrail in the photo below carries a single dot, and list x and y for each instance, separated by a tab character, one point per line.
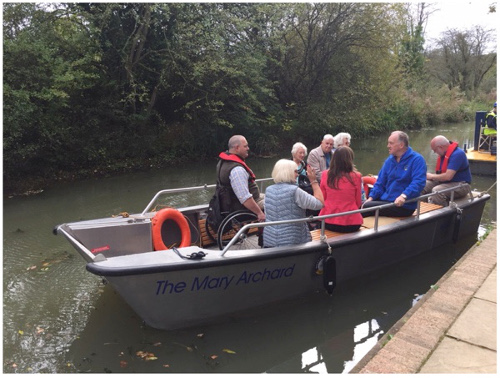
189	189
323	217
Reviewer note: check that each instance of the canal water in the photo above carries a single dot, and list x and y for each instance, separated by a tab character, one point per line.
58	318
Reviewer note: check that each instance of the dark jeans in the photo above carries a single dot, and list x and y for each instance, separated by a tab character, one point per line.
389	212
341	228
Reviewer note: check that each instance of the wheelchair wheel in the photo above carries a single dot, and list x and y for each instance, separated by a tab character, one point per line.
232	224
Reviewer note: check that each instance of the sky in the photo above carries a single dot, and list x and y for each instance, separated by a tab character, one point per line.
461	15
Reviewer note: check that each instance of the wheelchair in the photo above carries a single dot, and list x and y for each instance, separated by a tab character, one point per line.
229	226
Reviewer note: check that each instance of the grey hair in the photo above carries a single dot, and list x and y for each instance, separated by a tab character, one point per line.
284	171
296	147
339	139
403	137
328	136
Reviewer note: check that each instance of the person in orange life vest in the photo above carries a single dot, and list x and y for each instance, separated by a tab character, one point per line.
236	181
452	167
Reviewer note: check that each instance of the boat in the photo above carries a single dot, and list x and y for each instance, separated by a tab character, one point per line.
194	283
483	155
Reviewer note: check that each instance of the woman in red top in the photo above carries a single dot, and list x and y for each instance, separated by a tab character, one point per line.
341	187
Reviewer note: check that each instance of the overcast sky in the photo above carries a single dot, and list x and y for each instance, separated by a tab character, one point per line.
461	15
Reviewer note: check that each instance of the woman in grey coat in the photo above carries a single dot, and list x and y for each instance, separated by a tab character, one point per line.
285	200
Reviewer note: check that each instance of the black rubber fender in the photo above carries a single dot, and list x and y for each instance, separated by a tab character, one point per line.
329	274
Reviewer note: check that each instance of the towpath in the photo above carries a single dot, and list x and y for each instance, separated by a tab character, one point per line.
452	329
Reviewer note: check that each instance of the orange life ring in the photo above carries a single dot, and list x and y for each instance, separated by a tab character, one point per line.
368	180
173	215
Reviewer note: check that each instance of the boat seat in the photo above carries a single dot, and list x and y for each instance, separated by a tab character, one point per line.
485	141
368	223
316	234
425	207
206	240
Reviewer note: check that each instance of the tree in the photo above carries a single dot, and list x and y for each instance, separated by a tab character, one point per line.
411	54
328	76
461	59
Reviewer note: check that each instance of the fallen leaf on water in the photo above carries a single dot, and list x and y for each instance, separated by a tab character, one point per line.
188	348
213	357
39	330
45	264
157	344
14	365
166	366
123	364
31	267
21	332
229	351
146	356
200	335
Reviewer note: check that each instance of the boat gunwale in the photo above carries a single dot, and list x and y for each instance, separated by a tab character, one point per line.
255	255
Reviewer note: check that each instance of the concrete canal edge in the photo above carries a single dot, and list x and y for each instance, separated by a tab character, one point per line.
452	329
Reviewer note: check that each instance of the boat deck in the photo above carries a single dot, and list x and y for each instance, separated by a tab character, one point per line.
481	155
368	223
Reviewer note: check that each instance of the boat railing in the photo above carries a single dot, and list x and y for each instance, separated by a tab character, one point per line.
148	208
322	218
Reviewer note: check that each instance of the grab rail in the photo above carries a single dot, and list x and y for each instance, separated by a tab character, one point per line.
323	217
189	189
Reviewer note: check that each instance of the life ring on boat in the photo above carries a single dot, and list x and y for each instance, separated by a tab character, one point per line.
368	180
173	215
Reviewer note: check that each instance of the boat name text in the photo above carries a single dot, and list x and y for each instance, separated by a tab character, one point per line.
224	282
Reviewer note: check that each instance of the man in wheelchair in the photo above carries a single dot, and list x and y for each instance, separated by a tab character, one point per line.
236	184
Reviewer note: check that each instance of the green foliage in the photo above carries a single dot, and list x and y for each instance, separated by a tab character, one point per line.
100	87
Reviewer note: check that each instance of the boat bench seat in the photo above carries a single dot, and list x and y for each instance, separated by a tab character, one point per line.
425	207
369	222
205	239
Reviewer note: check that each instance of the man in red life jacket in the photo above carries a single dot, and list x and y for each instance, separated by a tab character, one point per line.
236	181
452	168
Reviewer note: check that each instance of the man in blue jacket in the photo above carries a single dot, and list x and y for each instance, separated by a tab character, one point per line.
401	178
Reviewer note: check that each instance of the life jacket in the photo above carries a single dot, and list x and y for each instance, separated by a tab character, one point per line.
491	122
229	201
237	159
442	168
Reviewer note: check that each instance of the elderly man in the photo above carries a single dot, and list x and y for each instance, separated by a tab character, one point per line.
402	177
236	181
452	168
342	139
320	157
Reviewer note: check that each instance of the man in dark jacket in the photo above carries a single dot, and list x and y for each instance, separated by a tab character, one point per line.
236	181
